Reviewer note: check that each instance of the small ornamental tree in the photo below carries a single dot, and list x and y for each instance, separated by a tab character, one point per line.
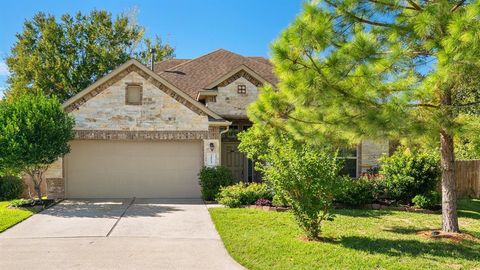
305	175
34	132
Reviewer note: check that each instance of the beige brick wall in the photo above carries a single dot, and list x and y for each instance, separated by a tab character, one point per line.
231	104
371	151
108	111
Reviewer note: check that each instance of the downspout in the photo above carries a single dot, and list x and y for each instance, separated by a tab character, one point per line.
225	131
220	143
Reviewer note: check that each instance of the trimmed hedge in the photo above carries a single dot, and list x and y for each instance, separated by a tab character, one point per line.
11	187
212	179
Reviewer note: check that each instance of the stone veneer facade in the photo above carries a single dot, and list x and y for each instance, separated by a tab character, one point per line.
229	103
162	116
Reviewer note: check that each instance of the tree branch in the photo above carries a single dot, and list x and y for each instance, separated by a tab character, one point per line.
458	5
390	5
414	5
359	19
423	105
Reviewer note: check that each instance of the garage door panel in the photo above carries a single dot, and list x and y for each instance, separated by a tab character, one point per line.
118	169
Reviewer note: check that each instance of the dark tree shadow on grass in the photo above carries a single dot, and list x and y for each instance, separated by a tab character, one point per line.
412	247
469	208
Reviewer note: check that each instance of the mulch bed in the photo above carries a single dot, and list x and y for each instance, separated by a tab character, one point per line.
404	208
456	237
269	208
38	205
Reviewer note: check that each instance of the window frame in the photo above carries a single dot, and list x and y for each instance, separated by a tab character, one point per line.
128	87
242	89
356	158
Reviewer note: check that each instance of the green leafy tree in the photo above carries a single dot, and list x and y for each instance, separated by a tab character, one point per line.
354	69
34	132
62	57
304	175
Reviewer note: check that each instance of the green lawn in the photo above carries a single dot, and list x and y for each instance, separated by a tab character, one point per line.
12	216
360	239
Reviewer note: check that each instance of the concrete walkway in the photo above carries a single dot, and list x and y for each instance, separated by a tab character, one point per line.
117	234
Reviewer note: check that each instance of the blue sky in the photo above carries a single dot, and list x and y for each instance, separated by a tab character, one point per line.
192	27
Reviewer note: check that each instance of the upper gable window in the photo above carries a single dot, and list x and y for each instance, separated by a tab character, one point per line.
241	89
133	94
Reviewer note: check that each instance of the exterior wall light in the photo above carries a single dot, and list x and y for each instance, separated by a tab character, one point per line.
212	146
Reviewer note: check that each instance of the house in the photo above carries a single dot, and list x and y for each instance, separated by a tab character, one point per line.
143	132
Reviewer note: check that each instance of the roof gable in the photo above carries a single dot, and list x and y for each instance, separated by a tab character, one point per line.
233	75
196	74
135	66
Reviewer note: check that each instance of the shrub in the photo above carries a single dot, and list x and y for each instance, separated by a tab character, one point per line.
361	191
307	177
410	172
356	192
427	201
279	200
242	194
212	179
22	202
11	187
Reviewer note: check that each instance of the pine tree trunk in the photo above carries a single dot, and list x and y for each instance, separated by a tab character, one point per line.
449	189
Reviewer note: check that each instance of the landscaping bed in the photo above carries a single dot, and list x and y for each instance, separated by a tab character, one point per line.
23	209
375	206
355	239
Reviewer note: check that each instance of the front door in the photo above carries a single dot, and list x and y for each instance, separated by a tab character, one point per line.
233	159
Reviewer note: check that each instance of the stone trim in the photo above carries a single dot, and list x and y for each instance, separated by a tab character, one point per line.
212	133
133	68
55	188
239	74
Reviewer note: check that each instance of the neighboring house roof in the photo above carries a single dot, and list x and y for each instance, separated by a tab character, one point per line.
194	75
133	65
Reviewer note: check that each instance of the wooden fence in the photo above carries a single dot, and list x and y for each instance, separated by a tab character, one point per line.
467	174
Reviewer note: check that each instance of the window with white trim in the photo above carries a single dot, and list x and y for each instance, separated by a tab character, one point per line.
349	157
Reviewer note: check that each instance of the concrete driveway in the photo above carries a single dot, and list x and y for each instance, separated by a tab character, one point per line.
117	234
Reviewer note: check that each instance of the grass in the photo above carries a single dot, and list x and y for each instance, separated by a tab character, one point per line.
360	239
12	216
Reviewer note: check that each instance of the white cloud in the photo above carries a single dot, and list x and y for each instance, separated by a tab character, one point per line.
4	69
2	89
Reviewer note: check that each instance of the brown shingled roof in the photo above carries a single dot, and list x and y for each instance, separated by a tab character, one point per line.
168	63
194	75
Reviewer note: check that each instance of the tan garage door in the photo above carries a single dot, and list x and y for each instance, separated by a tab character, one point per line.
123	169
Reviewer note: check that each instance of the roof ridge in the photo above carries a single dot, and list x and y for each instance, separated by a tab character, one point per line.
173	59
186	62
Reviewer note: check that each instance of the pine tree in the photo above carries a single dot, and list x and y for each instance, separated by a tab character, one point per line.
355	69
